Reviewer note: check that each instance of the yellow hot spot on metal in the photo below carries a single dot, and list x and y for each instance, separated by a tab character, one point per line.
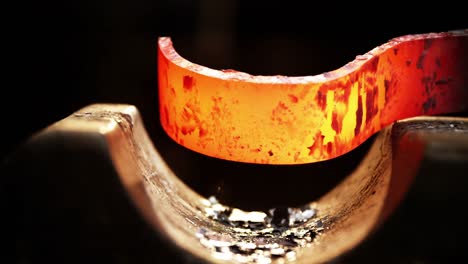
363	94
381	98
327	131
349	120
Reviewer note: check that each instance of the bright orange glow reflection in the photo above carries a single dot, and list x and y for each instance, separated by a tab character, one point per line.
292	120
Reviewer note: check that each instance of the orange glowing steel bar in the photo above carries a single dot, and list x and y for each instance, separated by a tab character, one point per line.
292	120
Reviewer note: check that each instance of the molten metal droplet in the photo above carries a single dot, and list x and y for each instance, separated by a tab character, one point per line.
292	120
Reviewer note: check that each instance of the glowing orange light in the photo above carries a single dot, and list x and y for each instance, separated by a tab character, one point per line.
292	120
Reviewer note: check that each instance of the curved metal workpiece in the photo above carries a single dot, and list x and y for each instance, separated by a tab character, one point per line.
99	175
293	120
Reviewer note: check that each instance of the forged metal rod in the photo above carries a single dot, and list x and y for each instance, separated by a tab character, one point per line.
293	120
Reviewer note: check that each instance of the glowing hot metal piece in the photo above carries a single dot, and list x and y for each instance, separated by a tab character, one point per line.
292	120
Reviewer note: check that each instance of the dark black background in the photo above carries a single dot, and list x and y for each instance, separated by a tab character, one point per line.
68	54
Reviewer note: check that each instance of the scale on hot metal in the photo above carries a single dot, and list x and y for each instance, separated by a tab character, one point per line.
397	93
